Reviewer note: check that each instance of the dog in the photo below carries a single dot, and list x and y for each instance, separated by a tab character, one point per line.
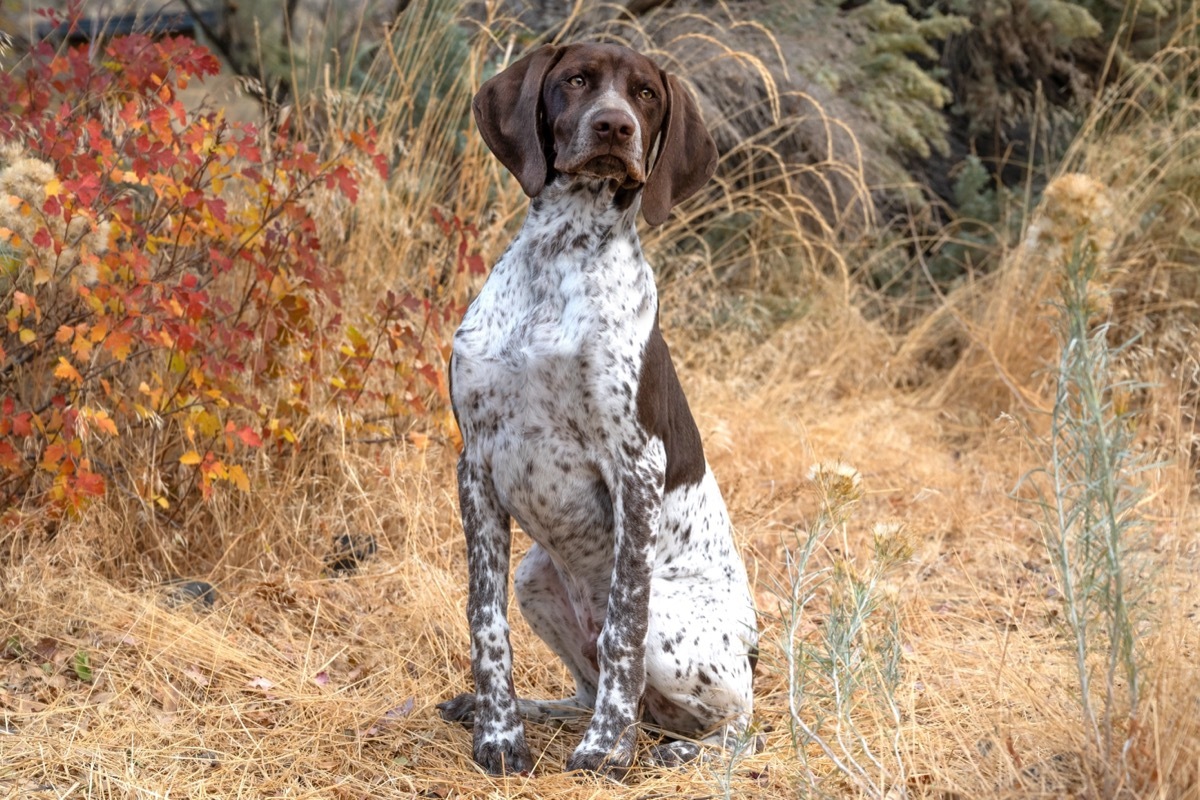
574	424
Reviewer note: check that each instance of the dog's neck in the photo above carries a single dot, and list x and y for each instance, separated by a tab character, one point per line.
582	228
597	208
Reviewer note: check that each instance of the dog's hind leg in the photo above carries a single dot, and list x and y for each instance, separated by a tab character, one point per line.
700	651
548	610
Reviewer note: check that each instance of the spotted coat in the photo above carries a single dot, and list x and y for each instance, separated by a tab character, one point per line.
575	425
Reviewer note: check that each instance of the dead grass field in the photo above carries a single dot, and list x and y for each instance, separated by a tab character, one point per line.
299	684
302	683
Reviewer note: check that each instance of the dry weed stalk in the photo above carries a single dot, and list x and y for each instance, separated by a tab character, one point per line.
845	678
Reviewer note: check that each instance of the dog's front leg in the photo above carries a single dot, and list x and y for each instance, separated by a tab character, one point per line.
637	494
499	737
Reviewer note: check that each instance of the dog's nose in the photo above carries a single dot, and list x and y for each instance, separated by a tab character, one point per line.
613	126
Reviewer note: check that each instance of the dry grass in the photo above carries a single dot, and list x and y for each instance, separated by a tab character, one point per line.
301	683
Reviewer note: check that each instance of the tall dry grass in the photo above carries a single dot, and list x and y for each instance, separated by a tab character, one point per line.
303	682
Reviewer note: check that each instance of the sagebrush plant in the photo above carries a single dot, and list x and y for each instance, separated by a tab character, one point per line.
842	679
1090	487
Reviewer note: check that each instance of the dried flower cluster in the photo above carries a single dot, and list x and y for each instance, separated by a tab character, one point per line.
54	247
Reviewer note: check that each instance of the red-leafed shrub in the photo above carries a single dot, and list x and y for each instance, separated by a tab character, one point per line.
167	309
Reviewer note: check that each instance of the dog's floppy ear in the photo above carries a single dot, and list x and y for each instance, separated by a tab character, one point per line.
508	112
687	155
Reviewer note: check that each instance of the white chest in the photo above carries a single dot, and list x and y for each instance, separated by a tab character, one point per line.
546	367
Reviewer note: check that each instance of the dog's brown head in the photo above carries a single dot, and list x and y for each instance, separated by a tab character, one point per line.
595	110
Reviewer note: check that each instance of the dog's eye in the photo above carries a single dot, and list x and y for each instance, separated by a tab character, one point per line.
646	94
575	80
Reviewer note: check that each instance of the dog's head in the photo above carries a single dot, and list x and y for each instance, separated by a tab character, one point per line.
595	111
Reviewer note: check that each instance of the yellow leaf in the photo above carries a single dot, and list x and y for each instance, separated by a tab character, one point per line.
190	458
27	335
65	371
238	477
53	188
207	423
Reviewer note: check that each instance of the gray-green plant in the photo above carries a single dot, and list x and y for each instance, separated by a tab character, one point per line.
842	678
1088	494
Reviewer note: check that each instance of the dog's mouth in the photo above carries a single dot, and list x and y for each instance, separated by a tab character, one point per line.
610	167
606	166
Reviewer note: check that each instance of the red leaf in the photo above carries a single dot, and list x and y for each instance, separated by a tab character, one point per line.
341	178
89	483
249	437
130	114
217	208
86	188
9	458
23	424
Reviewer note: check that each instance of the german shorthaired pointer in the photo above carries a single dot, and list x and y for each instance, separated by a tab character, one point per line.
574	423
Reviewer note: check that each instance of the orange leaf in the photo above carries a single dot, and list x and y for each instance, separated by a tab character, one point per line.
82	348
99	331
190	458
66	372
119	343
104	422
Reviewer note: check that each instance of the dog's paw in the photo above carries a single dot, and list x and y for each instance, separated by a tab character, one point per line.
503	757
612	763
673	754
459	709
